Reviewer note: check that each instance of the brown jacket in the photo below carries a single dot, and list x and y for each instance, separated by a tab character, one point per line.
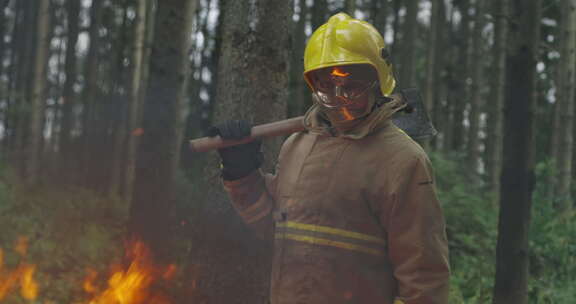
354	220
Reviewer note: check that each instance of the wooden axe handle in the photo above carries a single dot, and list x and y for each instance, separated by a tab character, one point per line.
278	128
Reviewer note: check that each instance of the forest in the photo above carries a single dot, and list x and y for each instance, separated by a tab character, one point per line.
102	200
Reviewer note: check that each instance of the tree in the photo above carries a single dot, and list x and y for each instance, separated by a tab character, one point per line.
36	106
299	99
69	97
378	15
437	93
409	28
251	84
129	135
494	120
89	106
564	122
162	126
459	91
319	13
350	7
434	44
517	180
476	88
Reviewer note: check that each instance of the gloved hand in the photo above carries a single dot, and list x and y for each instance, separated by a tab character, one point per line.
237	161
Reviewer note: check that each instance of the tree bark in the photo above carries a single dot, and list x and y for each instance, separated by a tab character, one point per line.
159	150
4	103
438	93
517	180
431	69
89	107
69	97
494	120
409	31
473	145
319	13
23	49
350	7
251	84
565	105
36	106
379	14
130	134
460	69
299	99
396	35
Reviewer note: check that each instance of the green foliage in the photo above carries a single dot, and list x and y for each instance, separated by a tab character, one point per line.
553	251
472	221
68	230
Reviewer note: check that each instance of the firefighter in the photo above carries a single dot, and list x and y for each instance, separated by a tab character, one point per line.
352	205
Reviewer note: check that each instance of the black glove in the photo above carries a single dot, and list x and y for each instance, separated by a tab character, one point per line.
237	161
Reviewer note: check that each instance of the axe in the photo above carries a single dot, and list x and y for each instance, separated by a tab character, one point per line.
414	121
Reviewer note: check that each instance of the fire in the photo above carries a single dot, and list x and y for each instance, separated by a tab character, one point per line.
136	283
336	71
22	275
132	284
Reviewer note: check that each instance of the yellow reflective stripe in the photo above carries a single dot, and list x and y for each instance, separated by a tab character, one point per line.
398	301
320	241
330	230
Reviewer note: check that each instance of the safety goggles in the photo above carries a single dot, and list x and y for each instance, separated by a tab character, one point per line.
342	86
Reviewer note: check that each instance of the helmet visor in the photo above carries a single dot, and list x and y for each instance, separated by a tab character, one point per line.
342	86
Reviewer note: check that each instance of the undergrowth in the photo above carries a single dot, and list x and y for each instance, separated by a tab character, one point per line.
472	223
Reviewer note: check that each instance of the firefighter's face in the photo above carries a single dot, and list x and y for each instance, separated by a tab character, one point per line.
344	92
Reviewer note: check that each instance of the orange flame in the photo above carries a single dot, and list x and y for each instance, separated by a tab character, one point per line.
22	275
336	71
132	285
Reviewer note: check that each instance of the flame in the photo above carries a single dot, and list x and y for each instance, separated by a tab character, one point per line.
23	275
132	284
347	114
336	71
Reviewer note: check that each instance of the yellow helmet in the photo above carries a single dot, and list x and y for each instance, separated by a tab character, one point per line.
344	40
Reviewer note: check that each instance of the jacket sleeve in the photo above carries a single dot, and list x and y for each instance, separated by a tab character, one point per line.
417	244
252	197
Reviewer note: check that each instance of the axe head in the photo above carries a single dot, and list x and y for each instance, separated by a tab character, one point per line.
414	120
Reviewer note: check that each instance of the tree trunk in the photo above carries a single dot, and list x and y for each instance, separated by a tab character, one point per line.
3	96
89	93
494	121
350	7
565	105
396	36
128	136
517	181
36	106
379	14
299	99
431	69
252	81
159	150
69	97
438	91
473	145
319	13
409	29
23	49
460	68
